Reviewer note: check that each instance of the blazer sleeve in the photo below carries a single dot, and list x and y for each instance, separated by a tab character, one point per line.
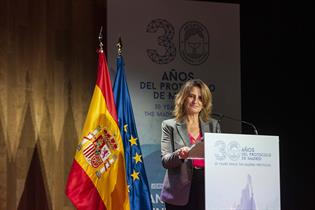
169	157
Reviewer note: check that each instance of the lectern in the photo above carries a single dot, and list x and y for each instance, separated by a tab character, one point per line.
242	172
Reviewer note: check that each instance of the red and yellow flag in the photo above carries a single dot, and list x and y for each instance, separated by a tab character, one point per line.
97	179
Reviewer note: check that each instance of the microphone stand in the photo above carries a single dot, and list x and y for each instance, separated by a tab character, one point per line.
221	116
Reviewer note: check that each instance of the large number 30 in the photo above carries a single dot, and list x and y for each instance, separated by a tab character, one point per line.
193	42
165	41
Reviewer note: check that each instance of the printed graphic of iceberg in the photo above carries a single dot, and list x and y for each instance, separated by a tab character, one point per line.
247	201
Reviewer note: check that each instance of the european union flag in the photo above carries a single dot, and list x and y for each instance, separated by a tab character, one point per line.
138	187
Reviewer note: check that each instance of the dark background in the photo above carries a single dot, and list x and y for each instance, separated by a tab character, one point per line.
277	65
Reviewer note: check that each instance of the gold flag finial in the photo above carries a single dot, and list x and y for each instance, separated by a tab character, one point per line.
100	37
119	46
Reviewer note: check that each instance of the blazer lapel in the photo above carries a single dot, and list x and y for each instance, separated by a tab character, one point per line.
182	131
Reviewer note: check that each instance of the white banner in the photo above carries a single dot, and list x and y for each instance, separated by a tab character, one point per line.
242	172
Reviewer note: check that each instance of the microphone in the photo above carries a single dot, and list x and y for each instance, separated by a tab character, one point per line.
220	116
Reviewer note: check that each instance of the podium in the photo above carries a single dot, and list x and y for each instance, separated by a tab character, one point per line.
241	172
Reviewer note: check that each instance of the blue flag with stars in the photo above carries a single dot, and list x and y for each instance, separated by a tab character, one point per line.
138	187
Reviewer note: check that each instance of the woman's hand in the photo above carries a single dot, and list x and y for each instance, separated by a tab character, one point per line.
183	152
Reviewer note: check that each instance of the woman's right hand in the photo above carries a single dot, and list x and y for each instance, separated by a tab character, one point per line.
183	152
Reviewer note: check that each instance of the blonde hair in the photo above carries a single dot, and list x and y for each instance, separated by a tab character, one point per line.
180	98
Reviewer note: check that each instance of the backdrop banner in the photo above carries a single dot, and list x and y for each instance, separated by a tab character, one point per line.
166	43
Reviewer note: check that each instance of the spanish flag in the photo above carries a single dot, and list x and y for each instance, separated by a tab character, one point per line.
97	179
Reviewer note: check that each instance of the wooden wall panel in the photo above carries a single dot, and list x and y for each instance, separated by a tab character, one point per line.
48	69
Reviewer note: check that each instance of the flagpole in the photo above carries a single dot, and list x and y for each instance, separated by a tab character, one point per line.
119	46
100	37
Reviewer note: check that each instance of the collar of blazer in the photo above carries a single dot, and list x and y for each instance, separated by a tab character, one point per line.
183	133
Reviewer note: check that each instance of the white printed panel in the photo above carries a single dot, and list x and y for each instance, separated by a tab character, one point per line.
242	172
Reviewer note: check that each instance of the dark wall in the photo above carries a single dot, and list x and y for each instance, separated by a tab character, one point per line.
277	60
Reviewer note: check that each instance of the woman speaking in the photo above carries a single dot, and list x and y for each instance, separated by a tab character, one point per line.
184	185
